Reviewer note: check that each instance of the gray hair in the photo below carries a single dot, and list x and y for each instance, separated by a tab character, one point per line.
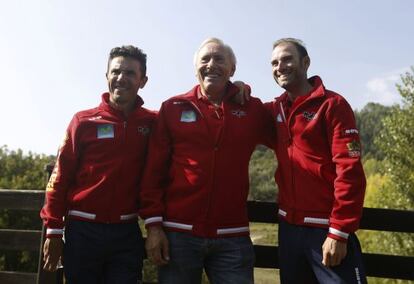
219	42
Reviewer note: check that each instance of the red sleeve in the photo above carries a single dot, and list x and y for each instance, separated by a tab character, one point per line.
349	185
269	129
62	177
156	173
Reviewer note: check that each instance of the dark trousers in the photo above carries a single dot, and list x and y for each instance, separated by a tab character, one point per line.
102	253
225	260
300	257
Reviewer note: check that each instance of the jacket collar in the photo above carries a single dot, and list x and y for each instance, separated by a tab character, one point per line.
195	93
107	107
317	91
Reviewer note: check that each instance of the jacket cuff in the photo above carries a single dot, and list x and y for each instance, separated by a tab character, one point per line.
153	221
54	233
338	235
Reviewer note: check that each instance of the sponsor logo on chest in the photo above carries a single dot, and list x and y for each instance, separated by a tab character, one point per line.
309	115
188	116
105	131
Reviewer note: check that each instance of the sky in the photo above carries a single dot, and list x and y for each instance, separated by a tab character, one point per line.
54	53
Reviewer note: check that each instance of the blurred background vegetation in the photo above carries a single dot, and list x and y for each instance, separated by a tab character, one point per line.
387	134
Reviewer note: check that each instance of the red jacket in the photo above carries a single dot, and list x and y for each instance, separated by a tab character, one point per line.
196	181
98	168
320	176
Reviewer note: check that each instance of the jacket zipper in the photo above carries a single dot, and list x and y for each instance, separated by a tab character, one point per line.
215	149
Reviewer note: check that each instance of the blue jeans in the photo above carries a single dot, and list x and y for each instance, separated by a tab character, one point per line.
300	257
102	253
225	260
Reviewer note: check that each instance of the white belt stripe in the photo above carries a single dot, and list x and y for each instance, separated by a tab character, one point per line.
232	230
178	225
283	213
320	221
152	220
54	232
129	216
338	233
82	214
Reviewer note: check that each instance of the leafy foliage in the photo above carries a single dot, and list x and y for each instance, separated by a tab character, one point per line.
262	168
369	123
20	171
390	182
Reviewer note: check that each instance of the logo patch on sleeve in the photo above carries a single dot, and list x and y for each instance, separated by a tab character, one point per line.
105	131
354	148
188	116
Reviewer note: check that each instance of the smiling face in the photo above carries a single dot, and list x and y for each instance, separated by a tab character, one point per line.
288	67
124	80
214	67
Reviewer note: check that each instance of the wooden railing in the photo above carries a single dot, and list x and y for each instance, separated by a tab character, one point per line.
377	265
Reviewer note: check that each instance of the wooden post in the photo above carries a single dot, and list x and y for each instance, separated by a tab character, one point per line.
45	277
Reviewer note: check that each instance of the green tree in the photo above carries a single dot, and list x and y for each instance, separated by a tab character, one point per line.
261	172
369	123
396	140
390	182
21	171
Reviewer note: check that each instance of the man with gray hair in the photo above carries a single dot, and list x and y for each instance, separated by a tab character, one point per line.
196	183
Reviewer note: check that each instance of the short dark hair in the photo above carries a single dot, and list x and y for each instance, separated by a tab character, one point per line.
132	52
300	46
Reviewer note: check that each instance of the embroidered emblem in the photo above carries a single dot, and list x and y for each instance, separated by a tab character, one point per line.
279	118
309	115
95	118
188	116
105	131
350	131
144	130
354	148
239	113
51	184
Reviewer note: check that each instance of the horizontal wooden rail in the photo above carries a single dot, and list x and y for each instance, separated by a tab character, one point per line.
377	265
18	240
12	277
17	199
379	219
264	212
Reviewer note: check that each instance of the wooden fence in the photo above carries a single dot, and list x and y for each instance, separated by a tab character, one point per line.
377	265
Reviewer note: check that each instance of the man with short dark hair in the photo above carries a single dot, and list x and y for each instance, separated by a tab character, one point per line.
196	183
92	195
320	176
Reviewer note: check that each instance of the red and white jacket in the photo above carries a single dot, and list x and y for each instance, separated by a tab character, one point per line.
320	177
196	179
98	168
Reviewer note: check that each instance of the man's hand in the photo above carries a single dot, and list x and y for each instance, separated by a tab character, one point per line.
244	93
333	252
157	246
52	253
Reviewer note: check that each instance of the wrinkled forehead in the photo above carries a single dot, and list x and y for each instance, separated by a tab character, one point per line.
213	48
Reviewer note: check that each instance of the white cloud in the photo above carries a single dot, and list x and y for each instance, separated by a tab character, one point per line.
382	89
